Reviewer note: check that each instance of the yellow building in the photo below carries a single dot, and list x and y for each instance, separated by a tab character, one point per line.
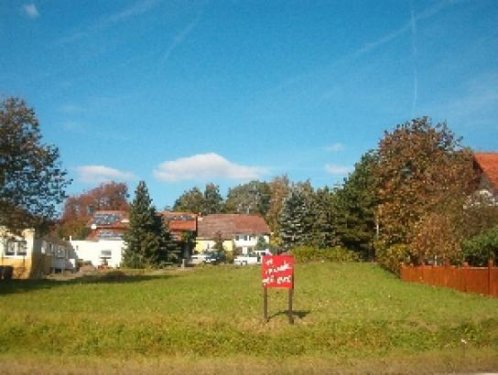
27	256
237	231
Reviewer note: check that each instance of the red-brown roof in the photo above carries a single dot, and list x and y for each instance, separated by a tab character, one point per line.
180	221
228	225
488	164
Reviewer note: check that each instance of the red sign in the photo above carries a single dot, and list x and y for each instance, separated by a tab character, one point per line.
278	271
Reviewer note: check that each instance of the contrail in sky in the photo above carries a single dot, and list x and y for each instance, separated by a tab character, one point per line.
179	38
413	25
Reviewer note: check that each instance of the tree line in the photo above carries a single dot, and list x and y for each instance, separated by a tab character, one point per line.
412	199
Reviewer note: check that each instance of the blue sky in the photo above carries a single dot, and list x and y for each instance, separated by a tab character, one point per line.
181	93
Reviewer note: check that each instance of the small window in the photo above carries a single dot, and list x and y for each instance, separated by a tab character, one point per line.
16	248
106	253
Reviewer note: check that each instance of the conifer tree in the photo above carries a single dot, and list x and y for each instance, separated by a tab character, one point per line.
294	220
148	243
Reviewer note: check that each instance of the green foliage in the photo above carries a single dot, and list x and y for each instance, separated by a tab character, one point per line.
355	207
250	198
148	243
32	182
323	226
305	254
261	244
391	256
190	201
479	249
279	190
295	218
208	202
213	201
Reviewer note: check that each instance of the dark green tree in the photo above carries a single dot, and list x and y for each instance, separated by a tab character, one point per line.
355	207
323	226
32	182
213	201
148	243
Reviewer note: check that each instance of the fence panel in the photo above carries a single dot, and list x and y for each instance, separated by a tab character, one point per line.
482	280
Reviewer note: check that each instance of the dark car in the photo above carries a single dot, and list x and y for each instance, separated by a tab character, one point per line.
215	258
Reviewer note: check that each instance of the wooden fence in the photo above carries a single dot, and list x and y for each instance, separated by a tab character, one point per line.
482	280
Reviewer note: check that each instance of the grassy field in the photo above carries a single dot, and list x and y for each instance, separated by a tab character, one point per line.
349	318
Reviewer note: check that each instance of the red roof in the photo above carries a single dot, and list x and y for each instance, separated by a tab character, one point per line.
180	221
229	225
488	164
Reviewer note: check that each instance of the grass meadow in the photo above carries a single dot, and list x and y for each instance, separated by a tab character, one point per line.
351	317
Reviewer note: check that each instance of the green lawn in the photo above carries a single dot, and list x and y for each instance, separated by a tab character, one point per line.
349	317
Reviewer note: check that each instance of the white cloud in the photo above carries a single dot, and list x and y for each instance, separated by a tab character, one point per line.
101	173
30	10
338	170
205	166
336	147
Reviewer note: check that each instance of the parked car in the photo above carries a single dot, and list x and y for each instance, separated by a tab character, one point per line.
197	259
244	260
215	258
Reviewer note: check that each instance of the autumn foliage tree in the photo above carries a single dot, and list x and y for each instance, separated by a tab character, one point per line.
78	209
424	176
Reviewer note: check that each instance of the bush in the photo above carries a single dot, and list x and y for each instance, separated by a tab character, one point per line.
479	249
391	257
304	254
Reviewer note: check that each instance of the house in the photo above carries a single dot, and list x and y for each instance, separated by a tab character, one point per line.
486	165
104	245
31	256
237	232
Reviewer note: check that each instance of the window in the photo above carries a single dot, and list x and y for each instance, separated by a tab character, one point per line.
16	248
105	253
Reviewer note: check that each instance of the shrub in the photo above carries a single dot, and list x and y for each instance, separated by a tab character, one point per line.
304	254
391	257
479	249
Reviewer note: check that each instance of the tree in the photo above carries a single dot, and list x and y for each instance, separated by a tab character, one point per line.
250	198
148	243
78	209
32	182
323	226
213	201
190	201
295	226
421	169
279	190
355	207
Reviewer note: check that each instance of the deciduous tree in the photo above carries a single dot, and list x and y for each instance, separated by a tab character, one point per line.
422	169
32	181
78	209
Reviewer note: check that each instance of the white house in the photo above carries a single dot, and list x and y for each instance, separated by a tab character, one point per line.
100	253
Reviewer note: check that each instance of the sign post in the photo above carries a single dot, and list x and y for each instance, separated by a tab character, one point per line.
277	271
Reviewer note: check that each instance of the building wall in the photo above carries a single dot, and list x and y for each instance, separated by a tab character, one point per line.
36	261
93	251
203	245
